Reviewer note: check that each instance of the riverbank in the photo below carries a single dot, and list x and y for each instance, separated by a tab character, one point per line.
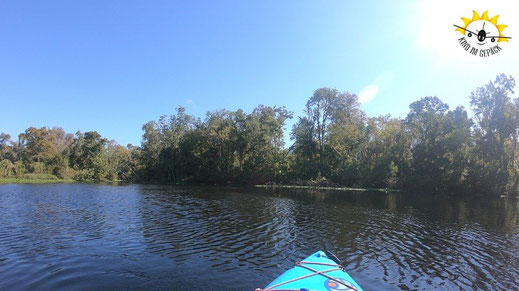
60	181
386	190
33	181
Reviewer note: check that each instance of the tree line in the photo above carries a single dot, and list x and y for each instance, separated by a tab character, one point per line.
434	148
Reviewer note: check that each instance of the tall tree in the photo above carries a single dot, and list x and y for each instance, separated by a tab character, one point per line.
330	135
260	142
439	143
6	148
385	153
89	157
173	131
151	149
496	130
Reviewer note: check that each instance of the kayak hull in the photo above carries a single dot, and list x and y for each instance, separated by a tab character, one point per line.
304	277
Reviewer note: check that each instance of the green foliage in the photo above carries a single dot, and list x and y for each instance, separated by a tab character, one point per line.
40	176
7	151
384	153
494	166
432	149
19	169
439	144
7	169
51	154
122	162
327	140
334	144
37	168
227	147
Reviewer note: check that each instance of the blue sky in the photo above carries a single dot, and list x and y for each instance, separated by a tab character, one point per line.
111	66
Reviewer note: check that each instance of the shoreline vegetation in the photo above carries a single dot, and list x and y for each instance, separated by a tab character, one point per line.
4	181
56	180
62	181
386	190
335	145
34	181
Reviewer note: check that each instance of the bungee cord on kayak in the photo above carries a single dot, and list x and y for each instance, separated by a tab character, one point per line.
340	280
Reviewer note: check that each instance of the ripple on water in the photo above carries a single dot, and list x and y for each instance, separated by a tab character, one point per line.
149	237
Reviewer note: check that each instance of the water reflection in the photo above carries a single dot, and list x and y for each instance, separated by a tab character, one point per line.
100	236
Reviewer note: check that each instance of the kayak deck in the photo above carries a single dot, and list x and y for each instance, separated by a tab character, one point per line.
317	272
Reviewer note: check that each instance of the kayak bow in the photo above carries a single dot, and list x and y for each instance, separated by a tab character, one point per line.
317	272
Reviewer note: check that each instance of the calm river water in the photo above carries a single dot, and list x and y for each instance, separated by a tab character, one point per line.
79	237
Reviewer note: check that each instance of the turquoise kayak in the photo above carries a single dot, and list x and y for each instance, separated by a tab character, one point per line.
317	272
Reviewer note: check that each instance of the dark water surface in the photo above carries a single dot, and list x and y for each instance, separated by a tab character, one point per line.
78	237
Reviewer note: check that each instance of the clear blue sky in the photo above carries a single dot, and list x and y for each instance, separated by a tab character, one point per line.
111	66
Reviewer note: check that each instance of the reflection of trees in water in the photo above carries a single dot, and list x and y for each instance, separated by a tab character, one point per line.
490	213
251	228
211	230
393	238
204	222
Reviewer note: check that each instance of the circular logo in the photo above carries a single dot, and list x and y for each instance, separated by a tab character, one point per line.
482	35
333	285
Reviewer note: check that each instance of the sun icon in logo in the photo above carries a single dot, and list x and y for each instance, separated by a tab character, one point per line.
483	28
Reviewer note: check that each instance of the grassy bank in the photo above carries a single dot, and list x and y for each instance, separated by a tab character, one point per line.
32	181
35	179
386	190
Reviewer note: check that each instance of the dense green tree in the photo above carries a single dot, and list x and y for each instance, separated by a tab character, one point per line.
327	139
439	142
7	151
345	139
161	145
7	169
260	143
219	152
88	156
385	153
122	162
36	145
226	147
151	148
173	131
494	162
44	153
305	164
44	150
